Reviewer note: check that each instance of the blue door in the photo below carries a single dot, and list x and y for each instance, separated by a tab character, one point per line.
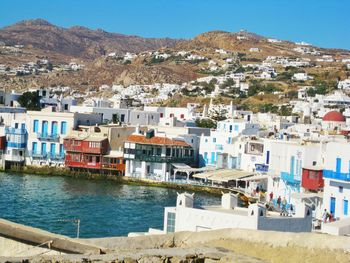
52	149
44	128
43	148
212	158
34	147
63	127
54	128
346	207
36	126
61	150
332	207
338	166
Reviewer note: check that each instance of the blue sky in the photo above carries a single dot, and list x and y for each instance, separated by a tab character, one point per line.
324	23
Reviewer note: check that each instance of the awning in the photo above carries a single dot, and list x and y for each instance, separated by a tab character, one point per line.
224	175
257	177
182	167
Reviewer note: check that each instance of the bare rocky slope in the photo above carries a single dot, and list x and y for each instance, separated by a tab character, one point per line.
77	41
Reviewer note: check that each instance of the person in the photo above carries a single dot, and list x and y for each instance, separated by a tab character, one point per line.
331	218
257	189
271	197
284	206
291	210
324	216
279	202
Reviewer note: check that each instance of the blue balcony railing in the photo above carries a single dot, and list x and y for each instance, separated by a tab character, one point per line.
11	130
334	175
48	137
46	155
290	178
56	157
16	145
38	155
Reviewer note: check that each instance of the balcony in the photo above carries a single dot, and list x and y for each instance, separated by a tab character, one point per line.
337	176
163	159
11	130
55	157
14	158
289	178
16	145
48	137
38	155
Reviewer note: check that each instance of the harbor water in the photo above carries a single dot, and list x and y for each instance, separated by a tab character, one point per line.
104	208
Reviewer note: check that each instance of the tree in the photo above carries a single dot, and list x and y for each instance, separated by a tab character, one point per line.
205	123
30	100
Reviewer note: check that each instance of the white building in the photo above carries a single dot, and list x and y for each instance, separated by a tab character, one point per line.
337	179
46	131
301	77
184	217
344	84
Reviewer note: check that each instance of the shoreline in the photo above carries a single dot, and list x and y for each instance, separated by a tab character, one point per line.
64	172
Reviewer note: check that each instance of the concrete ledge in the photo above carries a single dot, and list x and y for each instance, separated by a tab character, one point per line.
34	236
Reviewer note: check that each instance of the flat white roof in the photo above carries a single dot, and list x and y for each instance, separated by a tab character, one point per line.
224	175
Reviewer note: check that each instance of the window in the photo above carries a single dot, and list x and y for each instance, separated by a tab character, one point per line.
170	222
36	126
138	116
171	115
206	140
16	125
168	151
182	116
313	175
94	145
63	127
161	115
214	140
159	151
236	127
341	189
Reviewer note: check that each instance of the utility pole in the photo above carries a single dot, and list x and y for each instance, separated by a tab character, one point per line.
76	221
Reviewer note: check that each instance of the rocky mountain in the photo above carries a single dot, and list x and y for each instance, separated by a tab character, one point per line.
77	41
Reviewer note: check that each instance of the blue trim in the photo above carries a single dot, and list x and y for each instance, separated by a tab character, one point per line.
16	145
334	175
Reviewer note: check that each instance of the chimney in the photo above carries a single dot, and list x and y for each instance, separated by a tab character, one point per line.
229	201
184	200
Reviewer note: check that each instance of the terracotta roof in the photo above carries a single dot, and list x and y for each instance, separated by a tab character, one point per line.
156	140
333	116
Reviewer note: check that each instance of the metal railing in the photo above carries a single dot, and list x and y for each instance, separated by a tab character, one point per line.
11	130
335	175
48	137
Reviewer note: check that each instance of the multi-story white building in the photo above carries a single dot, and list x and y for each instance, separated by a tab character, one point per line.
336	176
221	140
153	155
46	131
